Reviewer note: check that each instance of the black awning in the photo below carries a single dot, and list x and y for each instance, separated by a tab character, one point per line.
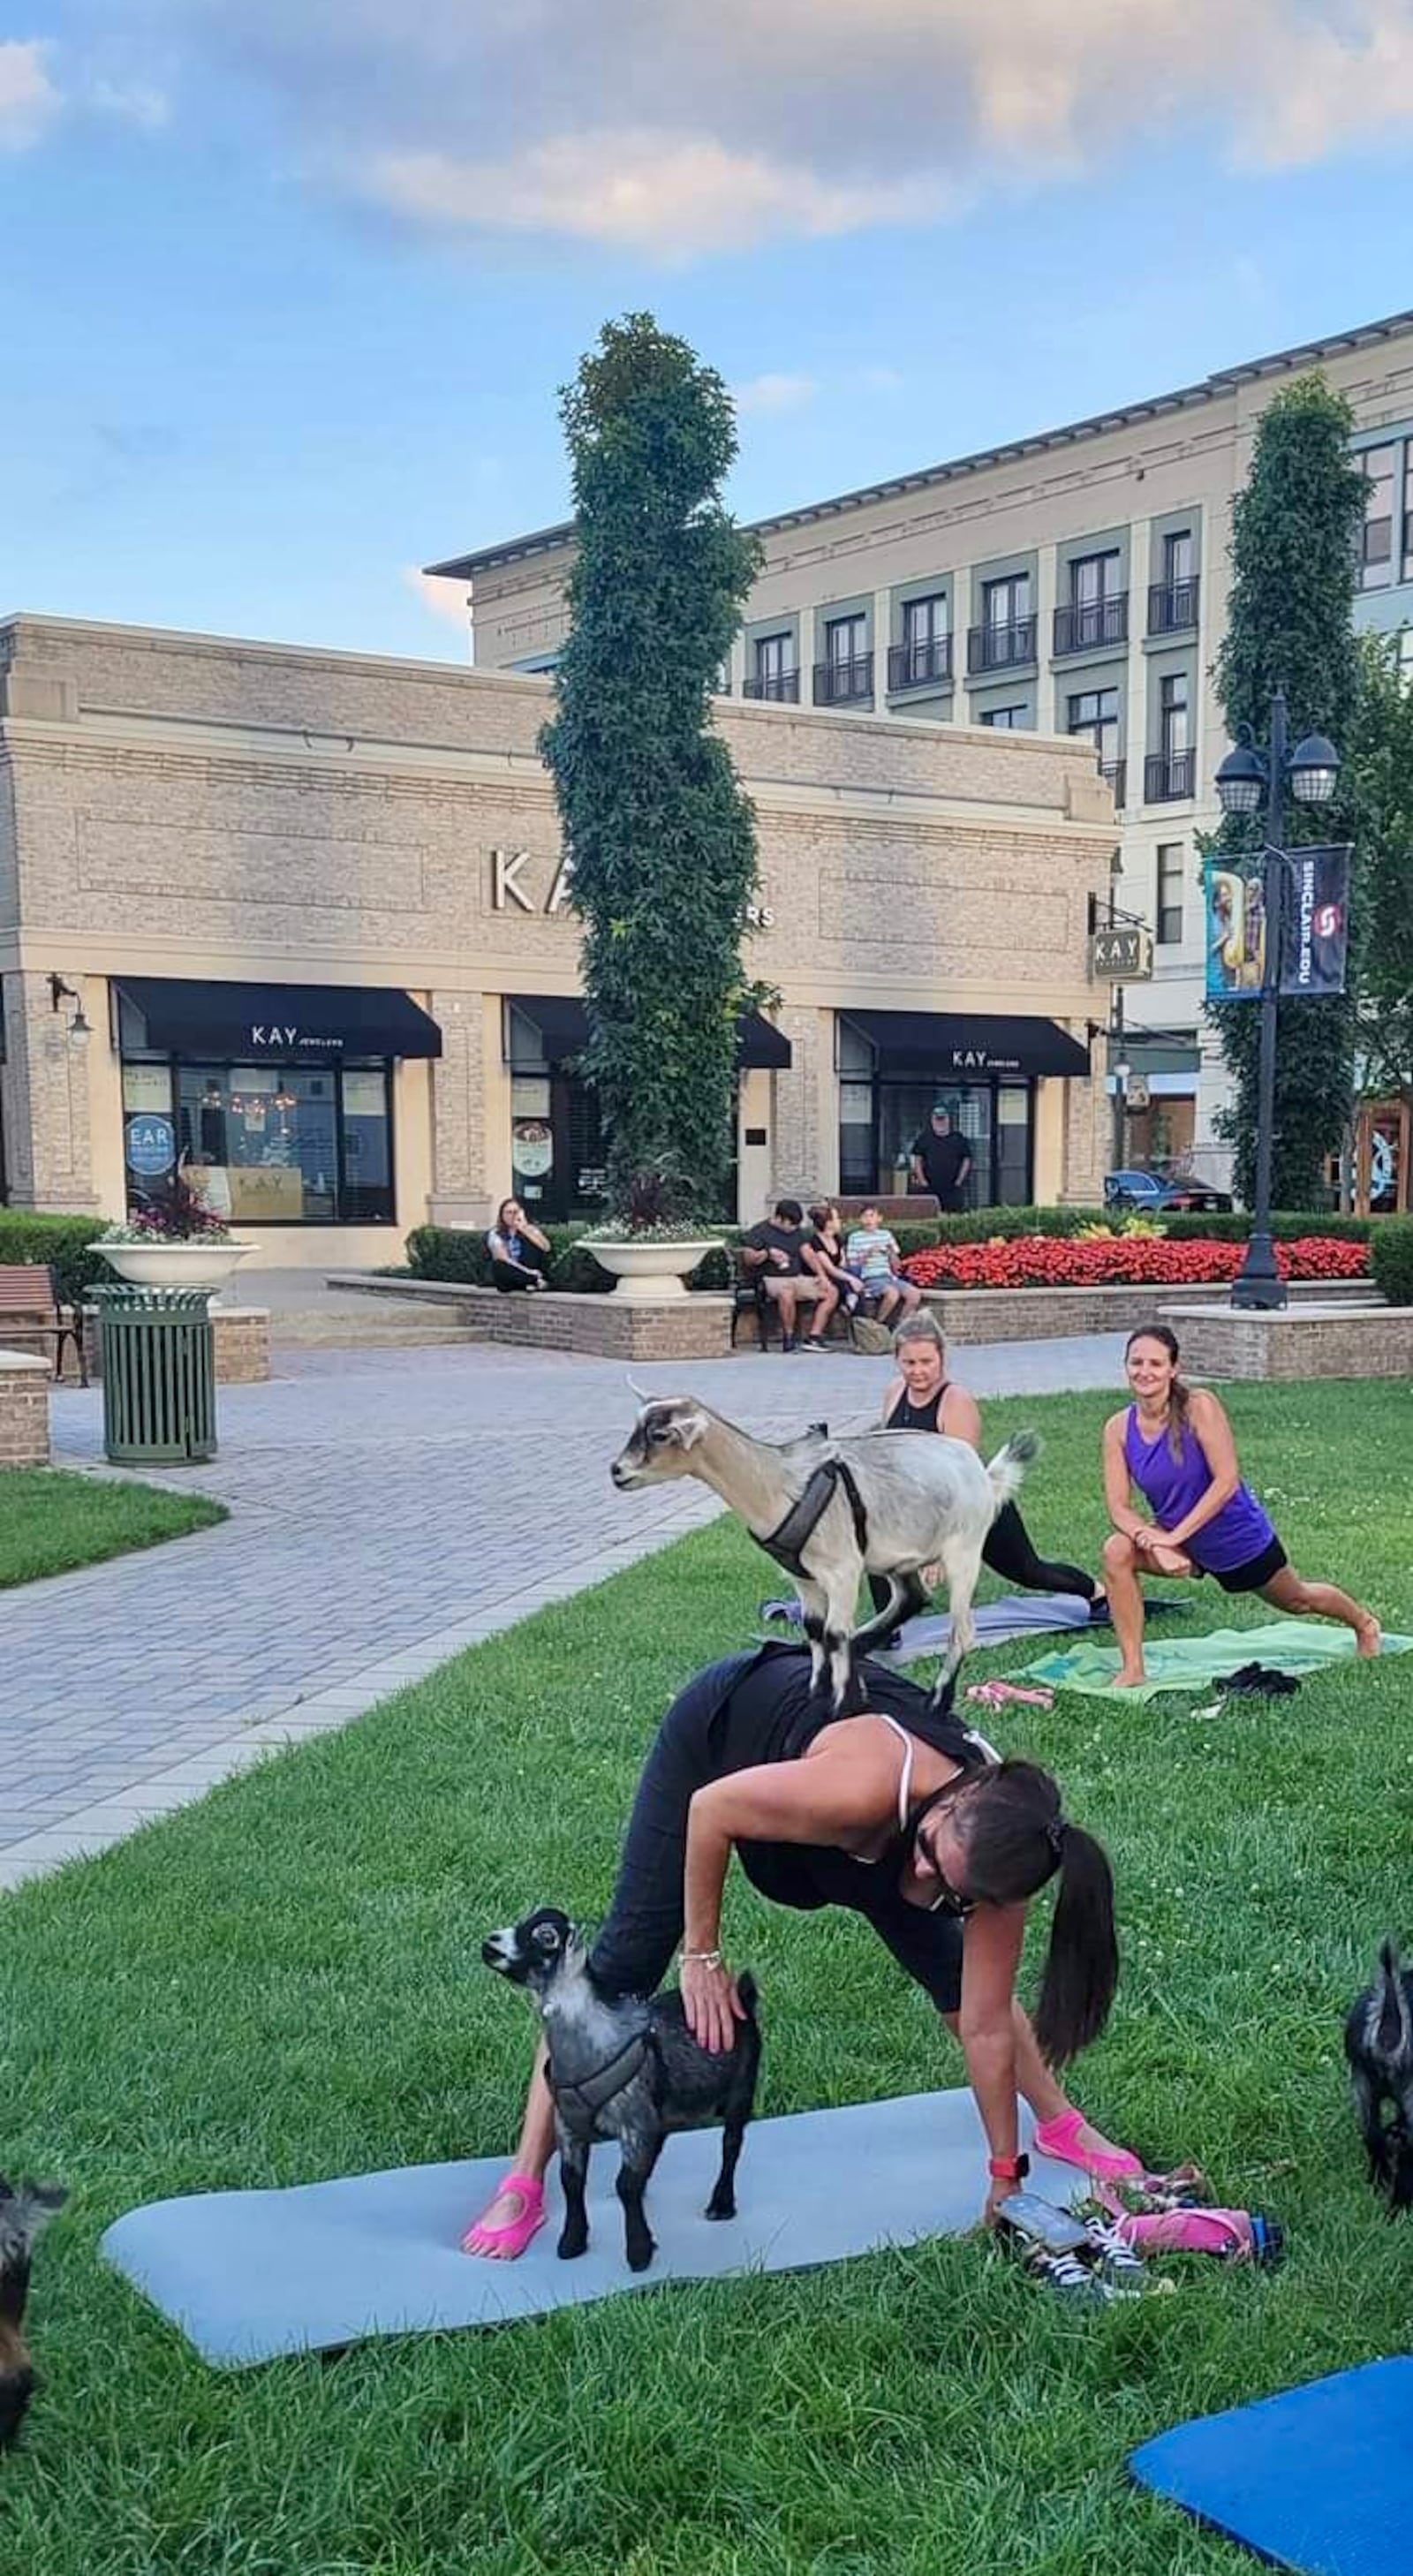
563	1023
285	1023
958	1047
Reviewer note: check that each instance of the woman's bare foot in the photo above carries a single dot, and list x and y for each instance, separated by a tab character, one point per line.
1368	1636
1129	1677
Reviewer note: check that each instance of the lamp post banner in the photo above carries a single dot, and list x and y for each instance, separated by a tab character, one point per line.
1315	944
1234	928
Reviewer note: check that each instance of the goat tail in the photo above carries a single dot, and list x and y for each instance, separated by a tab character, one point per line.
1394	2033
1007	1469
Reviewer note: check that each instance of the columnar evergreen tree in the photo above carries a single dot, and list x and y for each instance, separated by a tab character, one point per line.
1383	775
1290	625
660	837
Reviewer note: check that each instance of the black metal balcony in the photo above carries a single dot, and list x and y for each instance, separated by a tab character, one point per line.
1088	625
1115	776
842	684
782	685
1168	775
921	664
1001	648
1172	605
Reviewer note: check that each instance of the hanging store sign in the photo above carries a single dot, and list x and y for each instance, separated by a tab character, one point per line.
1234	915
1124	956
1315	942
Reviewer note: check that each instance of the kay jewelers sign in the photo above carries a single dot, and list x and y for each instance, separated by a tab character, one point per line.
513	888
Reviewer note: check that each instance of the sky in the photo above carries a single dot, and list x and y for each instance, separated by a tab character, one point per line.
288	287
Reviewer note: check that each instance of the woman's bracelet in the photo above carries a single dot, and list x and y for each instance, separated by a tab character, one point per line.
701	1958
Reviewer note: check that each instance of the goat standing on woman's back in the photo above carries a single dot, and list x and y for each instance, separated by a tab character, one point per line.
832	1510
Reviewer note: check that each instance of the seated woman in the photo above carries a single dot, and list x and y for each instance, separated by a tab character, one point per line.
923	1398
901	1815
1174	1445
519	1252
824	1255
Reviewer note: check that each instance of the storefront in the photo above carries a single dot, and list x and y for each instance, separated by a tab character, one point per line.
273	1101
893	1066
558	1164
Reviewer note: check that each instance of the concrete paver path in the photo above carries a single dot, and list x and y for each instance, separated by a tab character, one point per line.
388	1507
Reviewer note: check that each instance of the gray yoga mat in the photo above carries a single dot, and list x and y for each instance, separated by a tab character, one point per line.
251	2275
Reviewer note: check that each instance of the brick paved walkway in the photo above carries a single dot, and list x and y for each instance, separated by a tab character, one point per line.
388	1507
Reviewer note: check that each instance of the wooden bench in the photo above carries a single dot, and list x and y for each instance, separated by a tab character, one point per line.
34	1318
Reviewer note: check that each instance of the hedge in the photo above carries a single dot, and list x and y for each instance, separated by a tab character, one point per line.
459	1253
1391	1259
1287	1228
63	1243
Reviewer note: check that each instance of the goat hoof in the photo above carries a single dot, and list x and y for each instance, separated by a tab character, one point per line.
641	2255
571	2246
720	2208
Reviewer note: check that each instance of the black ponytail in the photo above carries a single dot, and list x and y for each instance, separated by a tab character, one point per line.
1016	1838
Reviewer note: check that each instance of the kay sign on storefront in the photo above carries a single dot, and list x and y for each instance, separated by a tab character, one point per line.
510	891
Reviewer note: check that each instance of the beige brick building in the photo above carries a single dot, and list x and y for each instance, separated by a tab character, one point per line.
313	909
1071	583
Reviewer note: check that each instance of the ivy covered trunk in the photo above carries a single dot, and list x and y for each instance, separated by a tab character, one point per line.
1295	531
660	837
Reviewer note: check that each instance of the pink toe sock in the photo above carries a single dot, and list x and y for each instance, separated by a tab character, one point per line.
515	2235
1063	2139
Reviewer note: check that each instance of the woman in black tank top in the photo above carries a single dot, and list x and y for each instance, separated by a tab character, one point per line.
920	1404
901	1815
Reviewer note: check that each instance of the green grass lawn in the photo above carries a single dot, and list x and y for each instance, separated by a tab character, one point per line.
283	1984
51	1522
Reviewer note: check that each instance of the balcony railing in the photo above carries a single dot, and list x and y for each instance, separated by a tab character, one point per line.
921	664
1115	776
1172	605
783	685
842	684
1087	625
1168	775
1001	648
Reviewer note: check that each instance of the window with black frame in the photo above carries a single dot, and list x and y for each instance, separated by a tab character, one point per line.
269	1144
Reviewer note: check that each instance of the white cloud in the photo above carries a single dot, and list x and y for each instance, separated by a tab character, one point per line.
445	599
775	393
29	101
131	103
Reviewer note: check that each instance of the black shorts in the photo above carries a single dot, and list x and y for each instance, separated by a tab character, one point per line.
1255	1574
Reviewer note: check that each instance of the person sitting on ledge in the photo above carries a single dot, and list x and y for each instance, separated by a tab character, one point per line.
519	1252
1174	1445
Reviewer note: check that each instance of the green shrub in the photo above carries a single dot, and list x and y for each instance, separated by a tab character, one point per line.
63	1243
459	1253
1288	1227
1391	1258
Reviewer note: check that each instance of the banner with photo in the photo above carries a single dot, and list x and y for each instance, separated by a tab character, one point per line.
1234	926
1315	942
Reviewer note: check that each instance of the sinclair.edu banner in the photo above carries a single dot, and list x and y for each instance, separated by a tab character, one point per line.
1315	926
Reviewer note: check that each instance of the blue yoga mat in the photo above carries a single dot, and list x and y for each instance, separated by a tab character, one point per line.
1319	2479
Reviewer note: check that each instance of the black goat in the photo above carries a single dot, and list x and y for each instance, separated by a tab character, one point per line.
623	2068
22	2214
1378	2042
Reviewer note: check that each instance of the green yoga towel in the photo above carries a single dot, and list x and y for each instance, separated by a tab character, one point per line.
1298	1646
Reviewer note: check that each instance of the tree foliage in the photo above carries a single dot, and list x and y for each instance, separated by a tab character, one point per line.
1383	776
1295	528
660	837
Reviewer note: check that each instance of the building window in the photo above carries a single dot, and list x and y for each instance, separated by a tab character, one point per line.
774	673
1376	552
1408	511
1095	712
1177	557
925	653
1168	909
1006	603
1097	610
1014	719
1172	599
1173	715
847	669
1169	772
267	1144
1405	656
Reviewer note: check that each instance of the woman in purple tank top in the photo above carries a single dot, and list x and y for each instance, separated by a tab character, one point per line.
1173	1445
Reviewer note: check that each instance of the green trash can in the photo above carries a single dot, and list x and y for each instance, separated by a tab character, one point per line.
159	1375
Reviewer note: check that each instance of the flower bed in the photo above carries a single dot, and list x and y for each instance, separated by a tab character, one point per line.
1045	1261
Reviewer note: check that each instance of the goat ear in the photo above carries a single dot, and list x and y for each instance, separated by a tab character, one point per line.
32	2208
688	1429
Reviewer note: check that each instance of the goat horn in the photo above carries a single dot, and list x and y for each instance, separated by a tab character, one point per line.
644	1394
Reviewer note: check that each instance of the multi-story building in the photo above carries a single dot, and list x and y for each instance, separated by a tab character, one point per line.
1071	583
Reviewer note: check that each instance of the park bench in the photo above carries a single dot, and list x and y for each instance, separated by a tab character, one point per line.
33	1317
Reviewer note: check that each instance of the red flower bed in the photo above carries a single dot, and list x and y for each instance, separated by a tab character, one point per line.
1134	1261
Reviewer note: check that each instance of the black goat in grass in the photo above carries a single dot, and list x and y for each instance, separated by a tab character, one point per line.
1378	2042
22	2214
621	2067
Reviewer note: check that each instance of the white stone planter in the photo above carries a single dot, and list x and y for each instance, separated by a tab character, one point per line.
174	1265
649	1272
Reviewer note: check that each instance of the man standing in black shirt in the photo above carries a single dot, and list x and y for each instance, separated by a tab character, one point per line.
771	1252
941	1161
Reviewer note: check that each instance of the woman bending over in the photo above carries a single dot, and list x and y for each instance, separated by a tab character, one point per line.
1174	1446
903	1816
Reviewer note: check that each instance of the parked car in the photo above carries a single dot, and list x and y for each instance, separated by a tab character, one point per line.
1148	1194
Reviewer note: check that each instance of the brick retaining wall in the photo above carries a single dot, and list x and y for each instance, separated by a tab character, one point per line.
606	1328
1045	1314
1327	1340
24	1410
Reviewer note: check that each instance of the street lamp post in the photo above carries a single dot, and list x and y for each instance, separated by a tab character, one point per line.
1245	776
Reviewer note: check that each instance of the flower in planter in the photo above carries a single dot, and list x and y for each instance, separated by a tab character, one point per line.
178	1218
655	1211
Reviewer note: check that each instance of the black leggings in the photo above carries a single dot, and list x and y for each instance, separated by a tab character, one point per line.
634	1948
1010	1553
506	1276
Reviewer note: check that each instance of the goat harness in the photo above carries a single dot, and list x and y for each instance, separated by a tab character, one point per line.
788	1542
592	2094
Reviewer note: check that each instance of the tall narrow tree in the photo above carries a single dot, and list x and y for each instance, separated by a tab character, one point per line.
660	837
1295	528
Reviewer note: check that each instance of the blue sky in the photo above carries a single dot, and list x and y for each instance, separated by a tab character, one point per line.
290	284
